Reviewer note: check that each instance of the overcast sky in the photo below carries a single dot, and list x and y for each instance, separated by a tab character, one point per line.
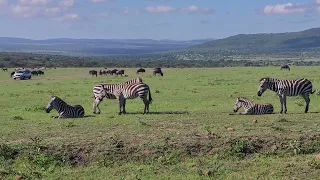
154	19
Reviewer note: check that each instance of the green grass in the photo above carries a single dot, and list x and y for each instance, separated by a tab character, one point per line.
184	137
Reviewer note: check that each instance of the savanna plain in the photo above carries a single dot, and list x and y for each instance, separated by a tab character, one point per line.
185	135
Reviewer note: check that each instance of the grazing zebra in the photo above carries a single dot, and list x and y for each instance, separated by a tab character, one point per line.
130	91
284	88
64	110
99	94
285	67
251	108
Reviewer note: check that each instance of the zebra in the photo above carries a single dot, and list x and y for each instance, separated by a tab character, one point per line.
99	94
251	108
64	110
130	91
284	88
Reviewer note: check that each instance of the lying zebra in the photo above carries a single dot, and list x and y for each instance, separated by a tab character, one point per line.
251	108
130	91
64	110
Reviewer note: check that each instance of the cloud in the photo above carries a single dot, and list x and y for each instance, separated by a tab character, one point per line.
35	2
68	17
290	8
283	9
195	9
3	2
37	8
190	9
160	9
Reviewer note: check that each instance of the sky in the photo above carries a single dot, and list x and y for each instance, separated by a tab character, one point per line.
154	19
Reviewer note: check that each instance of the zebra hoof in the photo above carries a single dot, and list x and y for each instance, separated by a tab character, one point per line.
119	113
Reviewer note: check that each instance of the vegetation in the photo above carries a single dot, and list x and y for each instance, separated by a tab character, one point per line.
184	137
12	59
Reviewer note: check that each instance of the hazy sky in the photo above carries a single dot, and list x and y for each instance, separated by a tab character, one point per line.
154	19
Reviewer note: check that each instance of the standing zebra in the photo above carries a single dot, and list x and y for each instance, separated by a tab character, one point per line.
64	110
99	93
130	91
284	88
251	108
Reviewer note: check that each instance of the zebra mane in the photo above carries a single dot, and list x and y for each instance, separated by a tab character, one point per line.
266	78
59	99
243	98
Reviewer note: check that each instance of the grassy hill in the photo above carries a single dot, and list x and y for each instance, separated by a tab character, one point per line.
263	42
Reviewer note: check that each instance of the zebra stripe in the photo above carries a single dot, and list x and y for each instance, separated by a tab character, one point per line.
99	93
284	88
64	110
251	108
130	91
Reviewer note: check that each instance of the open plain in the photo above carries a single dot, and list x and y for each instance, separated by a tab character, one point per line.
185	136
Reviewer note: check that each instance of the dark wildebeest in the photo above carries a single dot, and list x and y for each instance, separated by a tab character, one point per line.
120	72
93	72
141	71
34	73
285	67
114	71
102	72
12	73
5	69
40	72
157	71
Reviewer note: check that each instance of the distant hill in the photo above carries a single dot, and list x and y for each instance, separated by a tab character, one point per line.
264	42
94	47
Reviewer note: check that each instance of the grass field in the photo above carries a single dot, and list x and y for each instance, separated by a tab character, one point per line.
184	137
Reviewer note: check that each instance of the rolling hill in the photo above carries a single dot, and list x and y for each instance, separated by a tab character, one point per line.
94	47
264	42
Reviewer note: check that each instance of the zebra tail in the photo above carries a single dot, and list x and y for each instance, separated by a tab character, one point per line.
313	91
150	98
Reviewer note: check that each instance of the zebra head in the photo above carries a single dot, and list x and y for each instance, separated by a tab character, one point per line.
264	85
51	103
237	105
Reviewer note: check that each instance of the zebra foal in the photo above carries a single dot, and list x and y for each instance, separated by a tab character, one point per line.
64	110
284	88
251	108
130	91
99	93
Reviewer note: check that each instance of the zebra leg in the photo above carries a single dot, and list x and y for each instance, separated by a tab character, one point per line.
96	103
281	104
146	106
120	99
285	103
307	99
124	106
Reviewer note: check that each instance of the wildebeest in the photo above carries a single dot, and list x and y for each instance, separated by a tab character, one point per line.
114	71
93	72
40	72
157	71
285	67
141	71
12	73
34	73
120	72
5	69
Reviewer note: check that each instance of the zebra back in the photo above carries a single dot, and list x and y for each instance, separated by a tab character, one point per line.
98	90
288	87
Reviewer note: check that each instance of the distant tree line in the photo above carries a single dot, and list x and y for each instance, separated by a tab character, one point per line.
174	60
